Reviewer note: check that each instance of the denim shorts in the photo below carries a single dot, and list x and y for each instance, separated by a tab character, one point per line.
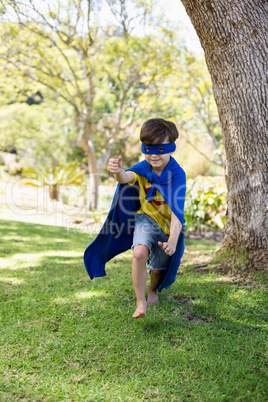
148	233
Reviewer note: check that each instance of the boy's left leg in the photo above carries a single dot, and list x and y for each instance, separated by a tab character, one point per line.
156	276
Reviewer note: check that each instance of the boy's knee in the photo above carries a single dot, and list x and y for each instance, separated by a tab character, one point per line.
140	252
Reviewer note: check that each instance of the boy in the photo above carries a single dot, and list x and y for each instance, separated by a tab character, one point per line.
158	234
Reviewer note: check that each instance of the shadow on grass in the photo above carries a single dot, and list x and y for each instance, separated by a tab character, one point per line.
18	237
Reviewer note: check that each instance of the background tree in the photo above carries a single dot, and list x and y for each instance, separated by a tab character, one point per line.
42	134
233	35
102	74
200	119
186	95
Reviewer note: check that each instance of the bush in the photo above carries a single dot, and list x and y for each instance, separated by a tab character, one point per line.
205	202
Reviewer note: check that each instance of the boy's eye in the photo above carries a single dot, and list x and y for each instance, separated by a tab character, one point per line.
147	149
161	149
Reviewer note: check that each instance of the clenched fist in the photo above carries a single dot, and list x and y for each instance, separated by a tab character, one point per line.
115	165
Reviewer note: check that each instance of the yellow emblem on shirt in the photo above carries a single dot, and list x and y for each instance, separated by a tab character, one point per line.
157	209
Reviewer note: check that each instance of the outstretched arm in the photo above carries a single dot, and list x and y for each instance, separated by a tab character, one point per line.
175	228
115	167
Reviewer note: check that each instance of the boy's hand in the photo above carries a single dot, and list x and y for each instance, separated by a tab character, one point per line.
115	165
167	247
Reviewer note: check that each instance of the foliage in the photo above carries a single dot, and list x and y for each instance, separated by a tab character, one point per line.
65	337
200	117
205	203
56	177
109	76
185	96
39	133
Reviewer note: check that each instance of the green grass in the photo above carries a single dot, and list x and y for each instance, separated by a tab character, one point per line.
64	337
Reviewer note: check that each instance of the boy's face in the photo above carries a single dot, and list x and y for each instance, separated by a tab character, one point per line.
158	162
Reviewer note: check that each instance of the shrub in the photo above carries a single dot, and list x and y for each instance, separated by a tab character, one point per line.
205	202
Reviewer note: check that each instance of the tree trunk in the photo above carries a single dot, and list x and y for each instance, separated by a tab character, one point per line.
85	142
93	190
53	191
233	36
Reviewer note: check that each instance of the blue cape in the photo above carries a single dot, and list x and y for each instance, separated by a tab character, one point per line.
116	235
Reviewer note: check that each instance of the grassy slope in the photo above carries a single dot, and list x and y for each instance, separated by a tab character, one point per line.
64	337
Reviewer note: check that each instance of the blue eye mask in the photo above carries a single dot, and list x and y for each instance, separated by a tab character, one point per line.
159	149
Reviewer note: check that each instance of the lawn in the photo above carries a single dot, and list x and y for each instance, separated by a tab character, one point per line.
64	337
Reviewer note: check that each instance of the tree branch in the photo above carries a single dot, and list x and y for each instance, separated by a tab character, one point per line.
200	152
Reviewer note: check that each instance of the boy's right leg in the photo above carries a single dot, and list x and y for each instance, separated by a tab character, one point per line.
139	277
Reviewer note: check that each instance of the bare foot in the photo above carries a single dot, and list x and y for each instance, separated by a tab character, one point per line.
140	310
152	296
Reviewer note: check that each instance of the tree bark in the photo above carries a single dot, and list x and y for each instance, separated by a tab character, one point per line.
233	36
54	191
85	142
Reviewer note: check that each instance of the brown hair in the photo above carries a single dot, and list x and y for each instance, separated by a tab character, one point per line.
156	131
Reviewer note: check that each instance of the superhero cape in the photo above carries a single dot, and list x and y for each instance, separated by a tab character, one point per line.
116	235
